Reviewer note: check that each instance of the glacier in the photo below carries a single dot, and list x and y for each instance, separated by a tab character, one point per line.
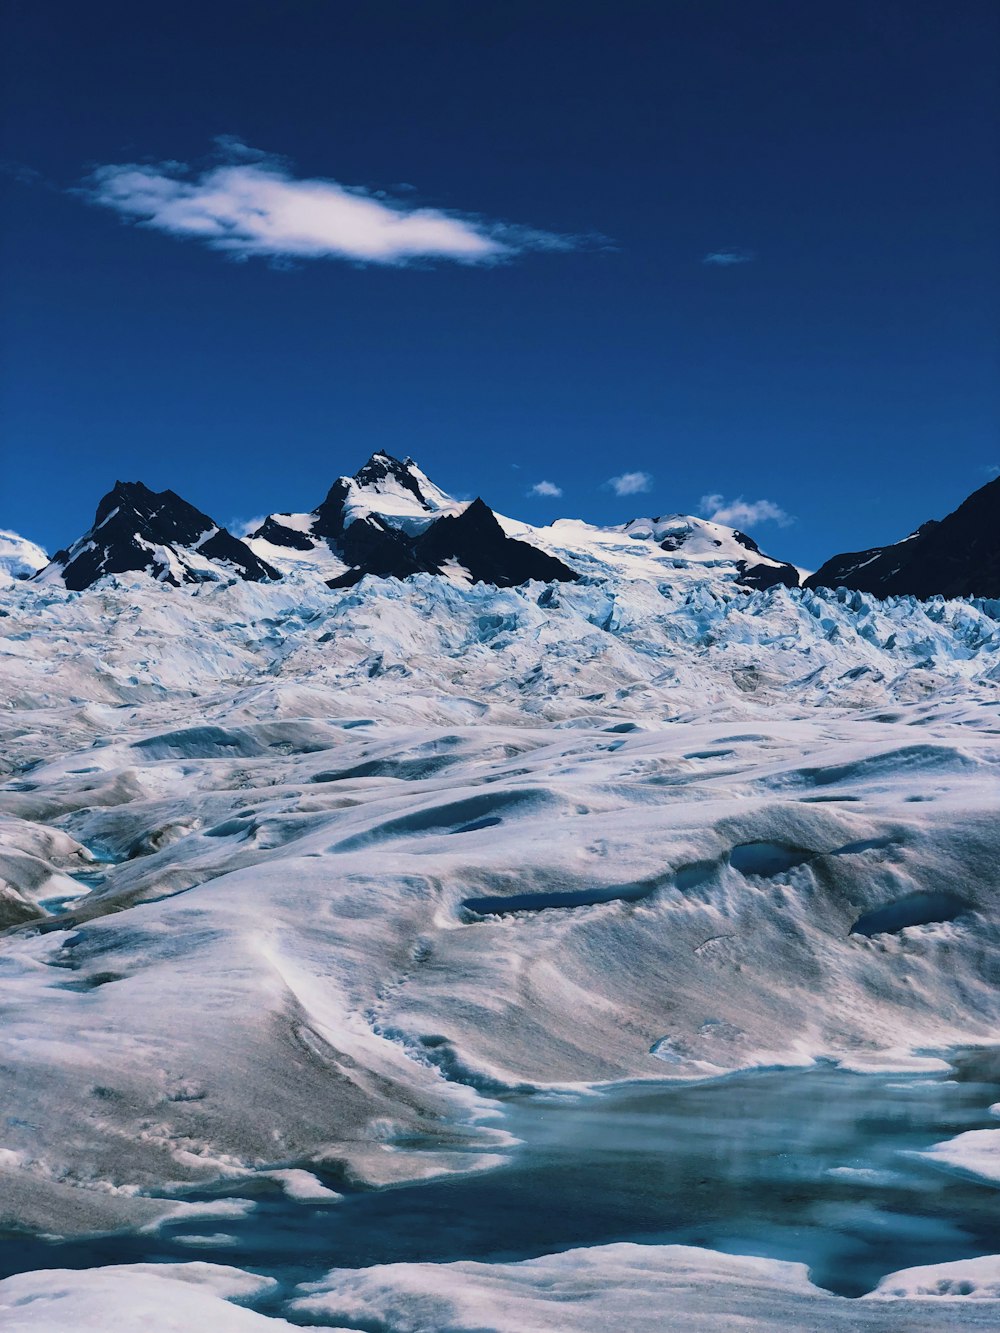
303	880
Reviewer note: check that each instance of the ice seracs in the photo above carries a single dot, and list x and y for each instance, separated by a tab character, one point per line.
137	530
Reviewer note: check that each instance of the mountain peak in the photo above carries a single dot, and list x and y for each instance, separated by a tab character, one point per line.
138	530
956	556
134	494
386	475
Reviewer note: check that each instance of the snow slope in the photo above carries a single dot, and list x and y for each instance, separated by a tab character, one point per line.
671	549
19	558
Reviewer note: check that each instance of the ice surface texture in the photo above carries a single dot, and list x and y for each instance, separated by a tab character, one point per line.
297	875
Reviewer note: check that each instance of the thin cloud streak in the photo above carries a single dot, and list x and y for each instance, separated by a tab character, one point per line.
728	257
252	205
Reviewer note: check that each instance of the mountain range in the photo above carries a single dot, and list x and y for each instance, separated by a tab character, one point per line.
389	520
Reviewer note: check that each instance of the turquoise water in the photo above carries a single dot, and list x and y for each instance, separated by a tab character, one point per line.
816	1165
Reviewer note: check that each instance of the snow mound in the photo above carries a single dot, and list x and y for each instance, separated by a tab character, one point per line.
644	1289
158	1298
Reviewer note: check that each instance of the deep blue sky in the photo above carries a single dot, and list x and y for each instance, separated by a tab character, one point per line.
848	373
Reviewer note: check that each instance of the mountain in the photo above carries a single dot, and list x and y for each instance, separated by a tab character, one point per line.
674	549
390	520
19	558
138	530
958	556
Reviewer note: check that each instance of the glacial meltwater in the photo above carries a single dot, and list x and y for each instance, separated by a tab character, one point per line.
818	1165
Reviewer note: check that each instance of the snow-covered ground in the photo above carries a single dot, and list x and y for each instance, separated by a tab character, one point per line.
634	1288
348	864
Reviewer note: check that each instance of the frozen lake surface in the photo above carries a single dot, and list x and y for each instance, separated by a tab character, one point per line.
818	1165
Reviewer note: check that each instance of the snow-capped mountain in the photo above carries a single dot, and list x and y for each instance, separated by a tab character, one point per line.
156	532
391	520
19	558
958	556
675	548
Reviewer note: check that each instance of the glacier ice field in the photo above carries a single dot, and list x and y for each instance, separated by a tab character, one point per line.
421	956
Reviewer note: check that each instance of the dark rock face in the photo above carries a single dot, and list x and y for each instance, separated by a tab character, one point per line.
278	535
768	576
329	516
956	557
754	574
473	539
136	529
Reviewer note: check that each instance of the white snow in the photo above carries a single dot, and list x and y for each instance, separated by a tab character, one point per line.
960	1281
976	1152
19	558
705	552
299	1184
647	1289
156	1298
639	1288
389	499
302	787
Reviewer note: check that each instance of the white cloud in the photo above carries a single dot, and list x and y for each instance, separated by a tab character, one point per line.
630	483
242	527
251	204
546	488
740	513
728	257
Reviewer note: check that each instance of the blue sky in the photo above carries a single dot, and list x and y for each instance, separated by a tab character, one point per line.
732	254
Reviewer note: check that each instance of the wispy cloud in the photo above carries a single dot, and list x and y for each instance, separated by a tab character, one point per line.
630	483
728	257
242	527
251	204
22	174
740	513
546	488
